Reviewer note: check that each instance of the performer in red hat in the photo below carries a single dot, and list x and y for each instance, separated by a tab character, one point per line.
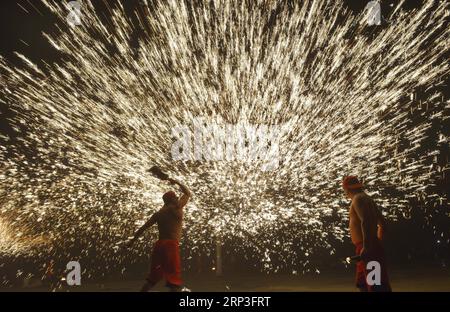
366	231
166	262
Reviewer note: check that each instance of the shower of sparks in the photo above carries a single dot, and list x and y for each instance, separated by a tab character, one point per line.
14	242
91	124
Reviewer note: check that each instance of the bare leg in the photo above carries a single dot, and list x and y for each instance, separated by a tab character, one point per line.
174	288
147	286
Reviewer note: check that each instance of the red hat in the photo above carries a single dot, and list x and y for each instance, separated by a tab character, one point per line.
169	196
351	183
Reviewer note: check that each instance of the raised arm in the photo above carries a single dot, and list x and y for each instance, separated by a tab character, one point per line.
182	201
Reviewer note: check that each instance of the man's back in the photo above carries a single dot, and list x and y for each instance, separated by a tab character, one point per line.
170	222
166	260
366	203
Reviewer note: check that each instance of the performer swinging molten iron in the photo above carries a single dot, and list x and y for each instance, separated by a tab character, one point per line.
166	262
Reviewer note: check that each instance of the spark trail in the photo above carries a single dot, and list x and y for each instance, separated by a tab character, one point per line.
92	123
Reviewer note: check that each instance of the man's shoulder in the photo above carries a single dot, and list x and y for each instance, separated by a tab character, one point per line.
362	195
361	198
172	209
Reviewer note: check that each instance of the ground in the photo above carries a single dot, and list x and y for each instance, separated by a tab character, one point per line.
431	279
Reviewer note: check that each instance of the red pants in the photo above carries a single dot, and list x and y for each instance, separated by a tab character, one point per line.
377	254
166	263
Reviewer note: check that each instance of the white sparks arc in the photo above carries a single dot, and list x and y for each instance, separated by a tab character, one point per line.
97	119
